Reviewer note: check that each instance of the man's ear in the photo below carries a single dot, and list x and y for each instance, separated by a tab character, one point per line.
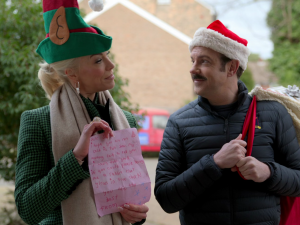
233	67
71	75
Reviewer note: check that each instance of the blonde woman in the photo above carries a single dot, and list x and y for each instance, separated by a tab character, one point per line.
52	178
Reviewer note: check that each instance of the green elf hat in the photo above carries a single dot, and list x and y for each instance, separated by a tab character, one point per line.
68	36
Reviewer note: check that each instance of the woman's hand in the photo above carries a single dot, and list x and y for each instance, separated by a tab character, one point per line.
82	147
134	213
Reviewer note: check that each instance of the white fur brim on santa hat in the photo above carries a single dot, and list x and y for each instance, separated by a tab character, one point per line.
211	39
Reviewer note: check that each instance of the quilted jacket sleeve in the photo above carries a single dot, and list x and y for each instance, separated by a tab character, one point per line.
40	189
285	179
176	186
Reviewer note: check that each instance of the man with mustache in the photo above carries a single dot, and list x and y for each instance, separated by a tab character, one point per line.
202	146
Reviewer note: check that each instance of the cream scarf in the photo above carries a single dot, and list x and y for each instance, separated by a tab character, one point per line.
68	116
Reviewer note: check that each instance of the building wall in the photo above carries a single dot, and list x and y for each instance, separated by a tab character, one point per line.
156	63
184	15
261	73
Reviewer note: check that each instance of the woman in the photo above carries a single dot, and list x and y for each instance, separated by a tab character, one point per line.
52	176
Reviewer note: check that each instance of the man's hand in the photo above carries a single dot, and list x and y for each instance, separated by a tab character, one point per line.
252	169
231	153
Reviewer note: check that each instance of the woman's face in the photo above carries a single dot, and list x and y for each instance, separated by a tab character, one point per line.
95	73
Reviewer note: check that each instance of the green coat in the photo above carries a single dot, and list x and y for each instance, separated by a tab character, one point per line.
41	185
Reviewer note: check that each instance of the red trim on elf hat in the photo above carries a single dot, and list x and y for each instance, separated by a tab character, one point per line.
220	28
55	4
86	30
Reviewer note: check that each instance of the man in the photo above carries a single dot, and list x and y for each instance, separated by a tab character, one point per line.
202	146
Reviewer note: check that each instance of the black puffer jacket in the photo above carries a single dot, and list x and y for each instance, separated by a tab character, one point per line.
188	180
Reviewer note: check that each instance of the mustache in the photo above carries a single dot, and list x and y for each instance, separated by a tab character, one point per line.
198	76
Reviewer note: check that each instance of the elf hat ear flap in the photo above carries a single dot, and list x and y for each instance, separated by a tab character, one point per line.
59	31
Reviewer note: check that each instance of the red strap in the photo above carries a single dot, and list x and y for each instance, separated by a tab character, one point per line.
290	206
249	126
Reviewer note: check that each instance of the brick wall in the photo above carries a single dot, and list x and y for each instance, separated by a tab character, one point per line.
156	63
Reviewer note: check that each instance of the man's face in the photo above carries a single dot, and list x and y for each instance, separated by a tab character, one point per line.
206	73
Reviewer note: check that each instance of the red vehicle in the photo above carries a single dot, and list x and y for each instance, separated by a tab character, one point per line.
152	128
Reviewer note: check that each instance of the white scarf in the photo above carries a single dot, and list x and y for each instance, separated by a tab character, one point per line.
68	117
291	104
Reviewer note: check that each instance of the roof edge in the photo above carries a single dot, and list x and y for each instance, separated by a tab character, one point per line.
144	14
208	6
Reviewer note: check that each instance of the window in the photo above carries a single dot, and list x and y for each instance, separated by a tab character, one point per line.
143	121
163	2
159	121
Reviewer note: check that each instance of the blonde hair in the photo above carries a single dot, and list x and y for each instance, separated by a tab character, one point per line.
52	76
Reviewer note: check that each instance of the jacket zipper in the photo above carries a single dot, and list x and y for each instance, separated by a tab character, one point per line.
226	129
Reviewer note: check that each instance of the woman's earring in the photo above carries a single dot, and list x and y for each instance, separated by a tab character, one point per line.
77	88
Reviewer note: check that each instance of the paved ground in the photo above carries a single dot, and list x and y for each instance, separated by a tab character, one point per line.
156	216
4	188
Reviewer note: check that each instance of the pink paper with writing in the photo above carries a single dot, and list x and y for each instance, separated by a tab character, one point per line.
118	171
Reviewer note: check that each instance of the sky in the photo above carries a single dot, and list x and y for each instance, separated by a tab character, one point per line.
247	18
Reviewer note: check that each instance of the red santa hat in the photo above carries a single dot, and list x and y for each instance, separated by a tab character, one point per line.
218	38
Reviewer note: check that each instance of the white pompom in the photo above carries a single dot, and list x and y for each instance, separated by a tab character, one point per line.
96	5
